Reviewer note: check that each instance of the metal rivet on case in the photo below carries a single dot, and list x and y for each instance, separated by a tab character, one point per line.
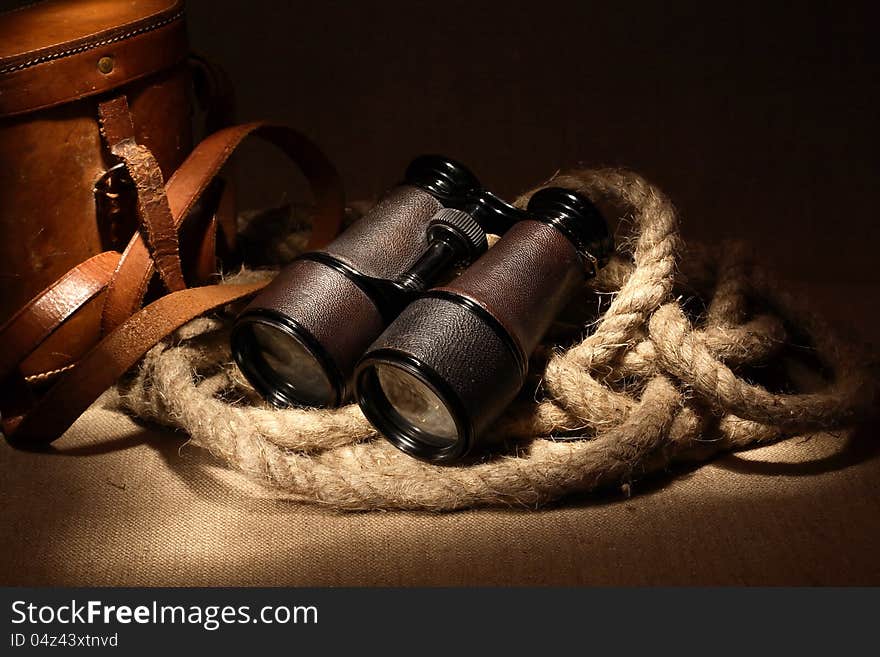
105	65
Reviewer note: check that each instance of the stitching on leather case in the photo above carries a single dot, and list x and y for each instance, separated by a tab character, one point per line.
91	46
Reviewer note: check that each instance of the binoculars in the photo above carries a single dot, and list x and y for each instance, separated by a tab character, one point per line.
432	366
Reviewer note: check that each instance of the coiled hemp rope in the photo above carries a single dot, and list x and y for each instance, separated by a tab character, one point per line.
647	386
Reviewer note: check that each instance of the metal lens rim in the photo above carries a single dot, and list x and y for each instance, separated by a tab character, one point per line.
274	389
392	425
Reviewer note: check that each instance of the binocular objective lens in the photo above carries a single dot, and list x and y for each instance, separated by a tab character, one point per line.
289	367
417	410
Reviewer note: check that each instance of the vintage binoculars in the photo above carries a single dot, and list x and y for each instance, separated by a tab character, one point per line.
299	340
431	367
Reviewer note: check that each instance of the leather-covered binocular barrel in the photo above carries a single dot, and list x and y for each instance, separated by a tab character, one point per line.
447	367
300	339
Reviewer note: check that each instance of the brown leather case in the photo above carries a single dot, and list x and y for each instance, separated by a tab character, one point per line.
105	206
58	61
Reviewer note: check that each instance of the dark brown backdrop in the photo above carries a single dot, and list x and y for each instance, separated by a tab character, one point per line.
760	121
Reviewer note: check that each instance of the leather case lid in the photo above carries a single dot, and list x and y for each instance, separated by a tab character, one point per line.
49	51
43	27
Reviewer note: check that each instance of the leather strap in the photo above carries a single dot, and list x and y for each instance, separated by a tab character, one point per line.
130	332
206	258
227	214
128	287
112	357
115	121
154	212
47	311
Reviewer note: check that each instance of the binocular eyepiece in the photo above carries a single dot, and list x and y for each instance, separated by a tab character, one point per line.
431	367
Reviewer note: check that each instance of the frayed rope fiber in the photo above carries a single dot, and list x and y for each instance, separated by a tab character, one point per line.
668	371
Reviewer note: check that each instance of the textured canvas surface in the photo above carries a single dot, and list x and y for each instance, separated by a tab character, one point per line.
143	511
